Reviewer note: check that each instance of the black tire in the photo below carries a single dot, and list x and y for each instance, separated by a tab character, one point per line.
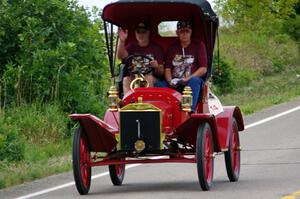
233	155
204	156
81	169
116	173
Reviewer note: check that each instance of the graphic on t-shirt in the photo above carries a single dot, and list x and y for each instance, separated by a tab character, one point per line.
182	65
140	61
141	64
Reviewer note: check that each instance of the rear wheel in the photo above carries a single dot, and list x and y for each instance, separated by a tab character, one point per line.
117	173
233	156
204	156
81	162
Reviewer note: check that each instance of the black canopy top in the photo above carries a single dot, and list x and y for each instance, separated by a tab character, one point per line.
202	4
127	13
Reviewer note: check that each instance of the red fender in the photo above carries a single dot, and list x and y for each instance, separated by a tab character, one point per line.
101	135
224	124
188	130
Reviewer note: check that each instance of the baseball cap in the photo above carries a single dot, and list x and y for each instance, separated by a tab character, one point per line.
142	25
184	24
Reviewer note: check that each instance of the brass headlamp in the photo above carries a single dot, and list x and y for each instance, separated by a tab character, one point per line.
113	98
186	101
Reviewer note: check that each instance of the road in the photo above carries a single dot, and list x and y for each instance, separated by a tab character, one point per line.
270	169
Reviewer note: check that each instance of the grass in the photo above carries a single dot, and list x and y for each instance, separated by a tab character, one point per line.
40	161
262	53
39	124
265	92
265	69
47	143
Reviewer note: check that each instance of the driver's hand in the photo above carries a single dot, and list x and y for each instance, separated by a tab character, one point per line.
154	64
185	79
123	34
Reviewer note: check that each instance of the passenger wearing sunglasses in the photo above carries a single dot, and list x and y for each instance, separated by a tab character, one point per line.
186	62
143	46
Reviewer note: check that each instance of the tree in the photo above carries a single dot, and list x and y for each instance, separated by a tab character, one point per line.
298	8
50	52
256	15
292	27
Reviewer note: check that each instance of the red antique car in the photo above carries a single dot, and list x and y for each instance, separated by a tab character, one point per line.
156	125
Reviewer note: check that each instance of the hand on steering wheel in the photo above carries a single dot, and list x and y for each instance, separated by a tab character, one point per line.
141	67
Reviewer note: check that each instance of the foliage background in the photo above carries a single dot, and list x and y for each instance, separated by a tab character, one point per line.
259	39
50	52
52	63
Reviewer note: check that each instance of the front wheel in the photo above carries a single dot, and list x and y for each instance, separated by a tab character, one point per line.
81	162
204	156
233	155
117	173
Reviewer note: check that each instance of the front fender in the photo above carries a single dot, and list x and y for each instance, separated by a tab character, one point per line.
101	135
188	130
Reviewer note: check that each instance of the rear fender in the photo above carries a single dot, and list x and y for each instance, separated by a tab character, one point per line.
224	124
101	135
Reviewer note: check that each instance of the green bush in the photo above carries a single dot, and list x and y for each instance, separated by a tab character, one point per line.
227	76
242	77
12	146
277	66
292	27
222	76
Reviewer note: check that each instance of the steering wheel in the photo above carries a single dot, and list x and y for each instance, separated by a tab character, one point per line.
141	66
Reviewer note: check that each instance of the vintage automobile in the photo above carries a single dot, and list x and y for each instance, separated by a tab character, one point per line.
156	125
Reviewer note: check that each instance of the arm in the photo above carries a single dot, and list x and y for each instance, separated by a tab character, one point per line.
158	68
201	61
168	69
198	73
121	51
168	75
157	63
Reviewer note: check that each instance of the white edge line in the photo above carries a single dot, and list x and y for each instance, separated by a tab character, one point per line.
69	184
272	117
47	190
135	165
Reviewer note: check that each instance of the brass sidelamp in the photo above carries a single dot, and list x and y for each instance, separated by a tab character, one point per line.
113	98
187	100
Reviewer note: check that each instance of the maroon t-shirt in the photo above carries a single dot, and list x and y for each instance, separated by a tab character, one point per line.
185	61
152	50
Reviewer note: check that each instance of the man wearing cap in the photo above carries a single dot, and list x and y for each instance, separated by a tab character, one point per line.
186	62
143	46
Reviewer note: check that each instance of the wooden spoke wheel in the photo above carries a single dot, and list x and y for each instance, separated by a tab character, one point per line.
81	162
117	173
204	156
233	155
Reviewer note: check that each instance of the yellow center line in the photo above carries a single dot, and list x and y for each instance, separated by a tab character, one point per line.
289	197
295	195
